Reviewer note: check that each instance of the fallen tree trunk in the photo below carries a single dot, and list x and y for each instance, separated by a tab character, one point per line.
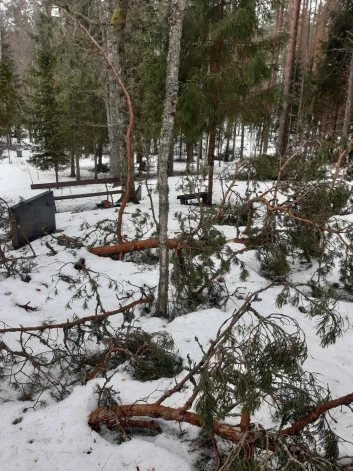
110	417
126	247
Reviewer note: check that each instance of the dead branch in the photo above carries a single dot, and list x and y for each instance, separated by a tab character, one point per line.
238	166
27	307
82	320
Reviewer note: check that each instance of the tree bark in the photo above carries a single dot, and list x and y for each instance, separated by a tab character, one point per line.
189	155
111	416
348	109
113	95
171	158
211	149
172	86
215	68
72	164
156	411
288	78
126	247
78	172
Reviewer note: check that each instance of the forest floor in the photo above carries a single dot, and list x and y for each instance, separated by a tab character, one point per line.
57	437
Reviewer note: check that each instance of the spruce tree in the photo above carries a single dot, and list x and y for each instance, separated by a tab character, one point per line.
44	111
8	92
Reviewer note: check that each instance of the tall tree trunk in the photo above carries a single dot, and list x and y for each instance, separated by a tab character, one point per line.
211	149
215	68
348	109
112	92
272	79
171	158
78	172
56	168
242	141
171	96
189	155
72	164
288	78
199	153
119	116
95	165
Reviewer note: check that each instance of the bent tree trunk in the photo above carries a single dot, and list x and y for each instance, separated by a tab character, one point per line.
171	96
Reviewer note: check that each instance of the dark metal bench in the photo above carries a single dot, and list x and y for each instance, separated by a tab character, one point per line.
92	181
191	196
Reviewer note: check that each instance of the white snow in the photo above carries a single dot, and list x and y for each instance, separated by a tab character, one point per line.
57	437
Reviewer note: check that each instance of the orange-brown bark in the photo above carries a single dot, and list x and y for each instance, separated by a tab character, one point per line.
126	247
111	416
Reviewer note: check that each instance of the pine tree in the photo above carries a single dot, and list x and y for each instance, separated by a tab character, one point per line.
8	99
44	111
226	56
8	92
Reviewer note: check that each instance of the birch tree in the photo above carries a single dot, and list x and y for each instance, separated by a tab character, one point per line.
171	96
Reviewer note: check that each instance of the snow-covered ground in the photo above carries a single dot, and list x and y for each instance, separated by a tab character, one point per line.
57	437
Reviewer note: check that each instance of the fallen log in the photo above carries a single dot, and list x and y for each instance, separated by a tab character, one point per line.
111	416
126	247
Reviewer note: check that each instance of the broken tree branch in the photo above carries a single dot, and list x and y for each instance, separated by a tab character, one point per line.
82	320
110	417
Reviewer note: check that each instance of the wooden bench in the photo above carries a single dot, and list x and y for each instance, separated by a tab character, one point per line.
191	196
92	181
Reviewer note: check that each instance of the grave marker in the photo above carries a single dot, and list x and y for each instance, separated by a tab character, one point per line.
32	219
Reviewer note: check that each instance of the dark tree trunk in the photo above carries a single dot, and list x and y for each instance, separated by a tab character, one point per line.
211	149
348	109
215	68
56	168
288	78
189	155
72	164
78	172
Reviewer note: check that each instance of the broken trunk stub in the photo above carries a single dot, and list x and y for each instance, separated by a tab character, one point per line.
32	219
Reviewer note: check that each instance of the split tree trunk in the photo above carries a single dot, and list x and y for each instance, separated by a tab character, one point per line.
171	96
